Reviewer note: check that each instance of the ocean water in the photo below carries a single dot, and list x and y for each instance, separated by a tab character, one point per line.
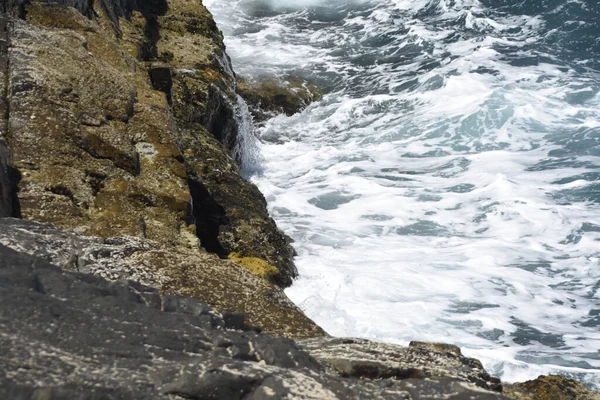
447	186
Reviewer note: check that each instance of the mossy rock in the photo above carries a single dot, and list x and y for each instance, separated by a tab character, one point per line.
435	346
82	110
255	265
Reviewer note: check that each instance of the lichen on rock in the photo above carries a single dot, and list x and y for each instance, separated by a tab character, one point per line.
75	336
551	387
179	270
364	359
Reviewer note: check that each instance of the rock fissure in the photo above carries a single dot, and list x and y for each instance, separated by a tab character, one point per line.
9	176
209	216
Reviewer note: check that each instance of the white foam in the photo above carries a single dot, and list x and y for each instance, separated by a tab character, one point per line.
417	196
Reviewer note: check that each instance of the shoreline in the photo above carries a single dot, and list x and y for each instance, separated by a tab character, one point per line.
121	124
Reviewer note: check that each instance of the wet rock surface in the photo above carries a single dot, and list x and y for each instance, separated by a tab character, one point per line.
270	97
75	336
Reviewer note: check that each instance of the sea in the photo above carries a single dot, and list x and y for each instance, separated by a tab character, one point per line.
446	187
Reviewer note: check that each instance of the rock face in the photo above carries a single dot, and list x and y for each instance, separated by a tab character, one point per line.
175	270
119	136
365	359
9	177
551	388
120	118
75	336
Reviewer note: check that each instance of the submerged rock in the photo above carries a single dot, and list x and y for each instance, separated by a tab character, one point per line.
75	336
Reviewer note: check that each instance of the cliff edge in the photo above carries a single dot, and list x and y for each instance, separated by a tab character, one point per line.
136	262
120	120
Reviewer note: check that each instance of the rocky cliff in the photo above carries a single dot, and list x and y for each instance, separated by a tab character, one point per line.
120	120
119	162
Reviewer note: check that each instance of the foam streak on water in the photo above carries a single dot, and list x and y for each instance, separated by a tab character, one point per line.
447	187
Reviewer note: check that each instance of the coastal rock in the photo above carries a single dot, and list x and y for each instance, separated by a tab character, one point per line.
230	213
122	118
91	138
75	336
270	97
550	387
360	358
173	269
9	176
119	132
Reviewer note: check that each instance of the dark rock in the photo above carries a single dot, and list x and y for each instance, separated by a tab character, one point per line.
9	176
9	182
234	320
270	97
75	336
173	269
365	359
162	78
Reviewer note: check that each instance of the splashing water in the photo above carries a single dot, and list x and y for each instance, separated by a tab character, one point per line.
447	186
246	149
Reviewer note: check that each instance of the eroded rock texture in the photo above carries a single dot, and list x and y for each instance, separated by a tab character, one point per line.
175	270
75	336
119	119
365	359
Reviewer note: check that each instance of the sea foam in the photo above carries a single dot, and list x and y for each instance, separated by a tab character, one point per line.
446	186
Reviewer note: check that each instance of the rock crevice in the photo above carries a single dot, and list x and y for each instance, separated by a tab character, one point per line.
9	176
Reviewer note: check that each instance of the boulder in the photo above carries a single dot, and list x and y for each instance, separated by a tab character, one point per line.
550	387
269	96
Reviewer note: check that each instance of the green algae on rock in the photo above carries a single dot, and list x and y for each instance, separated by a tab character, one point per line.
255	265
79	109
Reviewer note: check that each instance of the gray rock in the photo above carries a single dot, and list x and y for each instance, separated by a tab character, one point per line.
176	270
360	358
68	335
